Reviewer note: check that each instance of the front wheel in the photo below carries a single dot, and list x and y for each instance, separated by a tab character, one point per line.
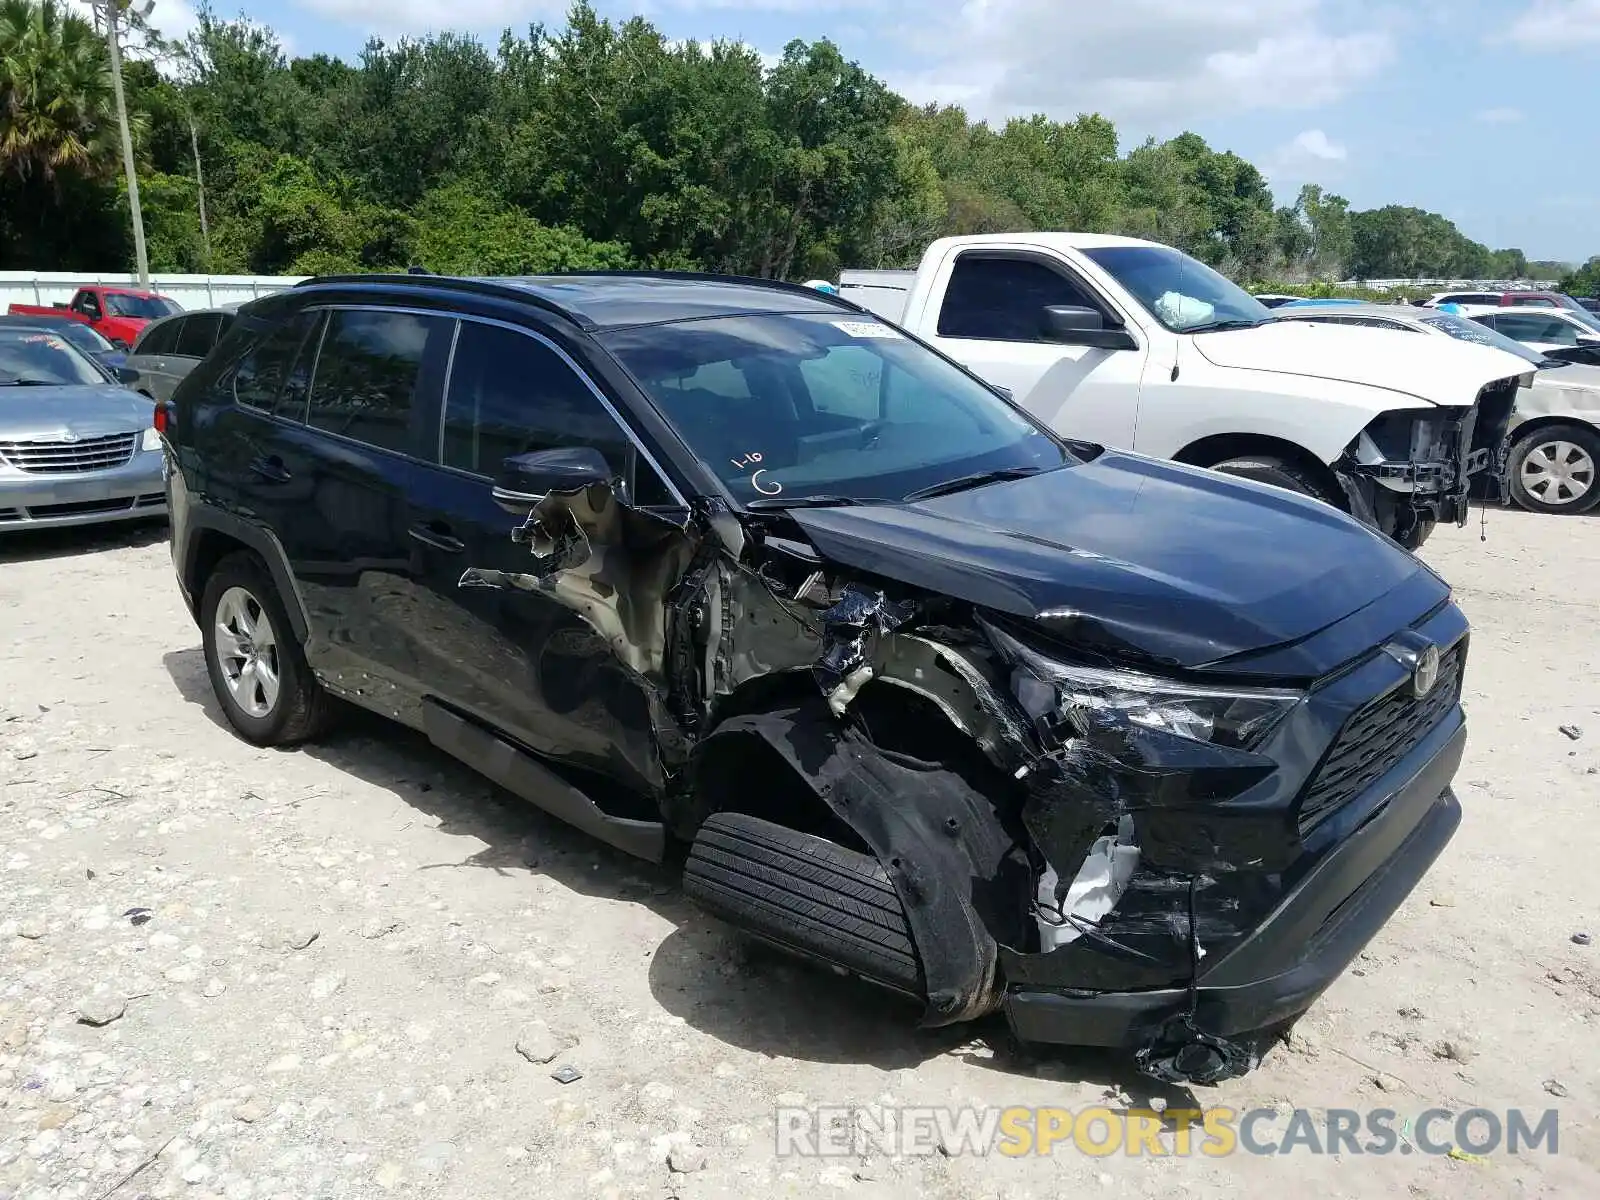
1553	470
1279	472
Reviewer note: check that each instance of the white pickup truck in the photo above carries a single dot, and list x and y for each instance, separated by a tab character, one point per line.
1136	345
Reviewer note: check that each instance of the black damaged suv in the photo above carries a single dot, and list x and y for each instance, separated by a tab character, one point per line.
733	575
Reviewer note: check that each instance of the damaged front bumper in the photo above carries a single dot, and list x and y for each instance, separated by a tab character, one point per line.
1411	470
1256	885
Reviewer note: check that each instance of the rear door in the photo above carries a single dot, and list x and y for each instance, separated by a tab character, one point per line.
378	374
520	660
195	339
150	354
990	320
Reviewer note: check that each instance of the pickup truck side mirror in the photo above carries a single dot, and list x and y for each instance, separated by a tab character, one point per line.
527	479
1073	325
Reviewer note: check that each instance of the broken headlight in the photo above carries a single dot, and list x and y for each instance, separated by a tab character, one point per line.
1239	718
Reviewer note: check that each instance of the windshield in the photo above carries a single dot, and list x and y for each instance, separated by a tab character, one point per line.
124	304
27	357
1470	331
789	407
1182	293
1590	321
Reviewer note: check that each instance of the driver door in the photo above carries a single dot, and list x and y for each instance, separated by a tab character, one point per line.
991	321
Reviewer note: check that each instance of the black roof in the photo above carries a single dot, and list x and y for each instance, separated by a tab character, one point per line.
617	299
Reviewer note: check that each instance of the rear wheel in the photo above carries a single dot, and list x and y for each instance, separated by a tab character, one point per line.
257	669
1279	472
1553	470
805	895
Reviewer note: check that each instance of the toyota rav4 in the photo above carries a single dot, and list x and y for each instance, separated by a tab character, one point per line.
734	576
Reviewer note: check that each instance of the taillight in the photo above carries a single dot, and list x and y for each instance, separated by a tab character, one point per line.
162	418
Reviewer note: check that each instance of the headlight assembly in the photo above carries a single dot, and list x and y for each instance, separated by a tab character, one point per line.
1238	718
150	440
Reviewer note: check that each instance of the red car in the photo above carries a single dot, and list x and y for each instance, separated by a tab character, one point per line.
118	313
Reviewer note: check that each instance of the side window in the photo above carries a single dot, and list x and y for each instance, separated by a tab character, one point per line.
510	394
1002	299
88	304
846	382
367	375
198	336
224	324
1529	327
159	338
272	376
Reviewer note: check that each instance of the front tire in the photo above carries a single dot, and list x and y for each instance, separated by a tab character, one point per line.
806	896
1554	470
1278	472
257	669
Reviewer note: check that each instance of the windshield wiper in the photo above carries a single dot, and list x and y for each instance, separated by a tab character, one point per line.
971	481
1222	326
773	502
29	383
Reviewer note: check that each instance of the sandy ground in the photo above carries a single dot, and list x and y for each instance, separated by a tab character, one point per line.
344	944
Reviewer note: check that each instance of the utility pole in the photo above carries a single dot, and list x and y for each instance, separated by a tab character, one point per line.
127	140
200	181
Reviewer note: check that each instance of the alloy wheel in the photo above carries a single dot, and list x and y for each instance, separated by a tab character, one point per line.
247	650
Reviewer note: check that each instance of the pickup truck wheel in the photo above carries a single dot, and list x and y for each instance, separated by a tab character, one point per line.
1279	472
258	671
1553	470
806	896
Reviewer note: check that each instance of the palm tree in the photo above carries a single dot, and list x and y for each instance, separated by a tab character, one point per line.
57	113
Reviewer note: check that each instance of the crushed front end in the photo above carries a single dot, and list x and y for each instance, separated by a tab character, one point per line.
1211	858
1412	469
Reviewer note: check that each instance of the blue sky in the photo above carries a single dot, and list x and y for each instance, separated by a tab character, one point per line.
1484	110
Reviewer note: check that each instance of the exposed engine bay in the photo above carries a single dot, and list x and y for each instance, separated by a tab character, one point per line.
1068	815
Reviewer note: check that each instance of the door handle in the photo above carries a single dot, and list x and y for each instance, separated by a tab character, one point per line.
437	534
270	467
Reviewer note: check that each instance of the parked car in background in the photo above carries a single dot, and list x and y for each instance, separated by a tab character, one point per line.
1555	445
1136	345
627	543
1507	300
1543	329
116	312
83	336
170	348
1589	303
1439	298
75	447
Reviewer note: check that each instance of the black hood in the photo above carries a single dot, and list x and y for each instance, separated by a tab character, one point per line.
1137	557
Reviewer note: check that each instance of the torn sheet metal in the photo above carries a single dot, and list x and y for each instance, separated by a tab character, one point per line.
857	615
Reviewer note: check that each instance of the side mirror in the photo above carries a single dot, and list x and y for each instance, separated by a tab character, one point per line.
125	375
1073	325
527	479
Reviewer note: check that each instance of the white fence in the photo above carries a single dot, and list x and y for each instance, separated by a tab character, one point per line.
190	291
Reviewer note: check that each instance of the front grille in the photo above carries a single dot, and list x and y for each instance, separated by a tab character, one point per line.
81	508
1375	739
69	458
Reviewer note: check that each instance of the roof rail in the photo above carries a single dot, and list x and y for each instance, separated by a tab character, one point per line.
483	287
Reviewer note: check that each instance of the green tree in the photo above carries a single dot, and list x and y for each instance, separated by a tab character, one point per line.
56	106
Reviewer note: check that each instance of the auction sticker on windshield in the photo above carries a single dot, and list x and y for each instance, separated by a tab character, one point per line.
866	329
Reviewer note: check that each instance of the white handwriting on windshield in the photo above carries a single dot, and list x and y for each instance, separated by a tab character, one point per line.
755	482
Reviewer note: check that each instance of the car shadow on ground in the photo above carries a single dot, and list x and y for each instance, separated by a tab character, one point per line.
704	972
40	545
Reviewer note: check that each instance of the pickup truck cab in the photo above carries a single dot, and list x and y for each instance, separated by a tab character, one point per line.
1137	346
117	313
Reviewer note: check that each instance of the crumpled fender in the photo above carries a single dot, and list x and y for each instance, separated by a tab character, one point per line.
955	868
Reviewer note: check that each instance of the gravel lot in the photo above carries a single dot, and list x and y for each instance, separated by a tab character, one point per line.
335	951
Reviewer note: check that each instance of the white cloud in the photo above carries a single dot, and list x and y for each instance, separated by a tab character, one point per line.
1310	155
1557	24
1152	62
1500	116
390	18
172	18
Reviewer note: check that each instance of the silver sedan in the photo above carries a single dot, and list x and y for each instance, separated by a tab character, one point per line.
76	448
